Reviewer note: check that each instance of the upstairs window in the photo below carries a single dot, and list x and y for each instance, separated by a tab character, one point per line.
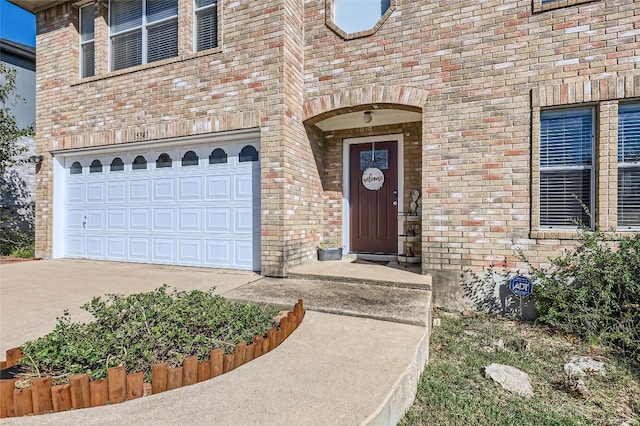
87	56
142	31
353	16
566	167
629	166
206	25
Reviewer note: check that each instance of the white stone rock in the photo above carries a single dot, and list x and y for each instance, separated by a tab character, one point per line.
498	344
510	378
586	364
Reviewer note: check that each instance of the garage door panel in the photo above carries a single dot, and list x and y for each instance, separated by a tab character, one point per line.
190	188
75	219
139	190
140	219
189	251
95	247
95	219
244	187
218	188
244	254
74	246
243	220
139	248
164	250
164	220
117	219
218	252
75	193
163	190
218	219
117	248
117	192
96	192
189	220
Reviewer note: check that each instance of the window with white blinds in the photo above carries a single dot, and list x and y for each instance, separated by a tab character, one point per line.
629	166
566	167
206	28
142	31
87	56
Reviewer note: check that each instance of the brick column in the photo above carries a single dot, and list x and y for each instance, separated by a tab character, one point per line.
185	27
101	37
607	165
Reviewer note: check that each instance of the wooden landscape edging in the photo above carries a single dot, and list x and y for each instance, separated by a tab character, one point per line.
118	387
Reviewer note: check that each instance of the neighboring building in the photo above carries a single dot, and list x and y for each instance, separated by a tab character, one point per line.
21	181
234	134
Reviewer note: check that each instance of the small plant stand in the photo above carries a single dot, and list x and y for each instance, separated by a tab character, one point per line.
409	226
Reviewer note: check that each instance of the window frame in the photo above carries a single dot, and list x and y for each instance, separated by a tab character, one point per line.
144	29
593	196
194	21
86	42
621	164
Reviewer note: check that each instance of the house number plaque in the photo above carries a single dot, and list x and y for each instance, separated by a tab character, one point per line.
373	178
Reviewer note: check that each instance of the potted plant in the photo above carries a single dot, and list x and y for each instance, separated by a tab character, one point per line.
328	253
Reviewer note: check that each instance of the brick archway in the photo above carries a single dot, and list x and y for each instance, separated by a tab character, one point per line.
319	108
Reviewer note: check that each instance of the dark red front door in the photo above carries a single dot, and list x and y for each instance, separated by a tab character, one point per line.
374	223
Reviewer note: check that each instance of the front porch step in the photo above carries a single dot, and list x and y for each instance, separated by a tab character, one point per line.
353	270
386	303
417	284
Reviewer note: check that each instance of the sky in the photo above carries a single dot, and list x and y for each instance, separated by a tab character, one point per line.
17	24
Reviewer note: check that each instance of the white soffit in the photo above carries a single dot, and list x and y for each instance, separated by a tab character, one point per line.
380	117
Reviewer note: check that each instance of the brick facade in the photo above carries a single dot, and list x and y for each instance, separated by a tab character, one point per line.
478	72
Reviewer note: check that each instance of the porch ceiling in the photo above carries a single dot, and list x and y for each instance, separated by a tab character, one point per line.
380	117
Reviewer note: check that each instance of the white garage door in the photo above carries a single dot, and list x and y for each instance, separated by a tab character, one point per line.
196	206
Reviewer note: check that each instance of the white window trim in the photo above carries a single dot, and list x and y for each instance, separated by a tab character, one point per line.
82	43
143	28
625	165
195	24
592	186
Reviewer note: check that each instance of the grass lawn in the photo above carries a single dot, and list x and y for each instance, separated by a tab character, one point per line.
454	391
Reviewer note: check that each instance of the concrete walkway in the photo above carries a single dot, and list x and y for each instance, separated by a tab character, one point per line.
334	369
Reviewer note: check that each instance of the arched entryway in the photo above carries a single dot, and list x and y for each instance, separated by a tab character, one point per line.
354	139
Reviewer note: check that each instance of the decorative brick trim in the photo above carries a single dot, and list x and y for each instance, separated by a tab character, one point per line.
329	16
412	98
176	129
43	398
578	92
539	7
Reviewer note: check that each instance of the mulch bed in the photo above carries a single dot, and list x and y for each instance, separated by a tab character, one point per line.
16	259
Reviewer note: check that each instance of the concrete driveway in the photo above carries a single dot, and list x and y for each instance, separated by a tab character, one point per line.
33	294
347	369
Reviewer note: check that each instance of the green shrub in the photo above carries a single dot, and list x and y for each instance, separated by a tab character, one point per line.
593	291
25	252
144	329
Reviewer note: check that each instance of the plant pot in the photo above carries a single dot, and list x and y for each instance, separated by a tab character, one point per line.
330	254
